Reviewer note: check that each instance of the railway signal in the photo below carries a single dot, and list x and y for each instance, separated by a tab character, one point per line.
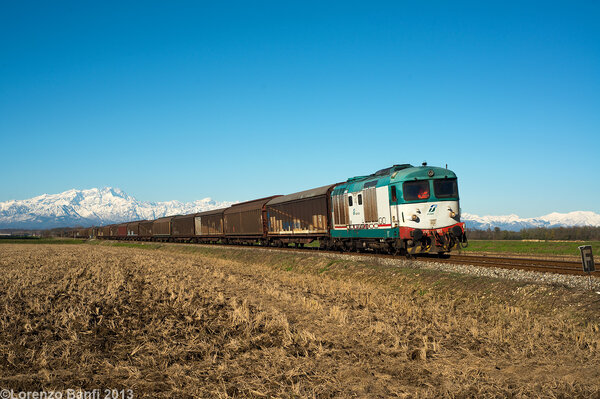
587	260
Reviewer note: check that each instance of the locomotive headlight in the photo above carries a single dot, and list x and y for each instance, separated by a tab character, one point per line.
452	214
414	218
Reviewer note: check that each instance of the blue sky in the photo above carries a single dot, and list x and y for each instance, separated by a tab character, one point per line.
238	100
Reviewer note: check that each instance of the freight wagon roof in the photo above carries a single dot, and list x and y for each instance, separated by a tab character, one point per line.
249	205
314	192
137	222
165	219
213	212
188	216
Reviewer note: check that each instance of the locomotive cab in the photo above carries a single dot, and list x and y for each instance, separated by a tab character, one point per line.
426	210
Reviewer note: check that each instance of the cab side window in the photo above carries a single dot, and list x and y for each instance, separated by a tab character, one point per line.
349	200
394	195
359	199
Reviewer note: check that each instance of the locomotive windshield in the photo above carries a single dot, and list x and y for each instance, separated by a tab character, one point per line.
416	190
446	188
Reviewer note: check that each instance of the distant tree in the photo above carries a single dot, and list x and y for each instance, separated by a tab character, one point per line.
581	233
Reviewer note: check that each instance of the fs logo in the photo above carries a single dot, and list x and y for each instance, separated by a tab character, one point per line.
432	209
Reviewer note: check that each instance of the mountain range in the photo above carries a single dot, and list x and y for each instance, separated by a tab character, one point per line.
516	223
95	207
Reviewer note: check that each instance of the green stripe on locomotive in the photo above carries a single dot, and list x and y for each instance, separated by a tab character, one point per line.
365	233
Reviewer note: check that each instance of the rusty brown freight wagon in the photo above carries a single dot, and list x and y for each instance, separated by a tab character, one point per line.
146	229
183	226
122	230
114	230
161	228
246	221
300	217
133	229
106	232
209	225
82	233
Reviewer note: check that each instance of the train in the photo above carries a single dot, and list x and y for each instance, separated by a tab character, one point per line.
399	210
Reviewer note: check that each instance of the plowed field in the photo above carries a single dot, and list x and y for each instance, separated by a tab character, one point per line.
176	321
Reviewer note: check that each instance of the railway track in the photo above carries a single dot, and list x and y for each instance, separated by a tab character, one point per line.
520	263
529	264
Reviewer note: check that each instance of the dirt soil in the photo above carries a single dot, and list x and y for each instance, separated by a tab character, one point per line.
182	322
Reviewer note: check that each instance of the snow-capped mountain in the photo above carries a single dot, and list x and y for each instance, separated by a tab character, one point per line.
515	223
91	207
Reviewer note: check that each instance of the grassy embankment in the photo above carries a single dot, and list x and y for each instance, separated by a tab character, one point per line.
195	321
532	247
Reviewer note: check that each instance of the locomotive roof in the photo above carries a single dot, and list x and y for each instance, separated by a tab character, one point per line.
394	174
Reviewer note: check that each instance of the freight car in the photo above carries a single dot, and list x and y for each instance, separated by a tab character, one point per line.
402	209
246	222
299	218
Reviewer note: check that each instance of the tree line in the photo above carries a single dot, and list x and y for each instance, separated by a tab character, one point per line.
584	233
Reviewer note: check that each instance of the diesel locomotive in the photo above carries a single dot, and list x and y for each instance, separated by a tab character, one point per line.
401	210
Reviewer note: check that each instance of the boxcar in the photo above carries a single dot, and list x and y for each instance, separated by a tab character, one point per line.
146	229
162	227
114	230
106	232
209	225
122	230
300	217
246	221
183	226
133	229
82	233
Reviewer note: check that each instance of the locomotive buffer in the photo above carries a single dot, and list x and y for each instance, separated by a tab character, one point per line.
587	260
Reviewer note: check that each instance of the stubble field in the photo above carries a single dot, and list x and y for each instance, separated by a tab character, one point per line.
190	321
